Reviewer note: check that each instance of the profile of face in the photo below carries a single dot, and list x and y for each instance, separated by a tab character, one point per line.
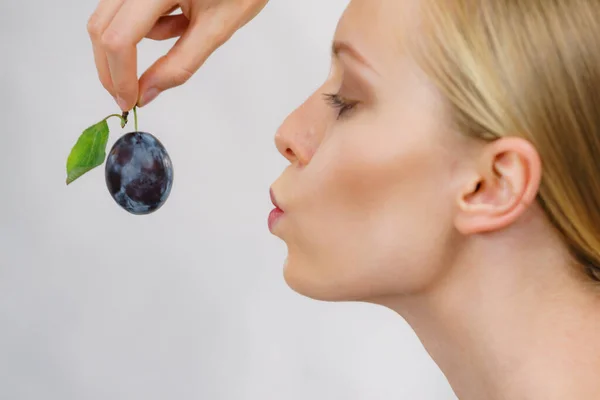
377	193
368	195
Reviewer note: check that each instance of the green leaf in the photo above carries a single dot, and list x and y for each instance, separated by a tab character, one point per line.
89	151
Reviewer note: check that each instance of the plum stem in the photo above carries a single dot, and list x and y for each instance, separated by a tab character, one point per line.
123	118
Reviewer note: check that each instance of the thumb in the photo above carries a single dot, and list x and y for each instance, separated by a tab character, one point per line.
202	37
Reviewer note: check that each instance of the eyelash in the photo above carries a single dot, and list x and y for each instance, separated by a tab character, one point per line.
338	102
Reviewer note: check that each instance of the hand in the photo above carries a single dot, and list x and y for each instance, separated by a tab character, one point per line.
117	26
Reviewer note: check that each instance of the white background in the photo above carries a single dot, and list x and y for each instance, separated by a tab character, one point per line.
189	302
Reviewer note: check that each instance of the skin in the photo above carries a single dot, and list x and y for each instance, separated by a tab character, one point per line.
387	204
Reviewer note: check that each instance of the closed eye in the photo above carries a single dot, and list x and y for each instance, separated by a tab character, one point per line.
339	103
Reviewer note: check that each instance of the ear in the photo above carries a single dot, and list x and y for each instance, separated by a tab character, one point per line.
502	184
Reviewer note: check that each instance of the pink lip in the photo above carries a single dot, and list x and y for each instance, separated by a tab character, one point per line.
276	213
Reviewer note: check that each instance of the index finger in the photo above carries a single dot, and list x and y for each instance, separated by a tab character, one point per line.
132	22
97	24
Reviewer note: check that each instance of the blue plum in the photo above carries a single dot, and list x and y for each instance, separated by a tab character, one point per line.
139	173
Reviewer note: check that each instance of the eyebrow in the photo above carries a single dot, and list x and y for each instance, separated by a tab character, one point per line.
339	46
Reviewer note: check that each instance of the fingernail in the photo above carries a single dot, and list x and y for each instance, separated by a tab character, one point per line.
148	96
122	103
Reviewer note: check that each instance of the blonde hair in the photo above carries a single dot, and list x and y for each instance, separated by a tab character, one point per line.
529	68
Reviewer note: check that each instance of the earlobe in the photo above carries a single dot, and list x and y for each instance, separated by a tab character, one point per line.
501	187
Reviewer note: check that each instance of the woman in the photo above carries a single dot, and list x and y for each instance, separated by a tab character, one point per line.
448	168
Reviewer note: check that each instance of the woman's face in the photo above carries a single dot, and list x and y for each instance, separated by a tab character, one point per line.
367	198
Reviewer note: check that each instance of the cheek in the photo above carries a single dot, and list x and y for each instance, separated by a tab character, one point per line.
372	216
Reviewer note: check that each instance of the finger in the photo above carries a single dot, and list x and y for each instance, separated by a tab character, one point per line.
203	36
120	41
97	24
103	69
168	27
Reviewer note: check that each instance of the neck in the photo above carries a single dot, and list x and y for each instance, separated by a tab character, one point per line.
519	328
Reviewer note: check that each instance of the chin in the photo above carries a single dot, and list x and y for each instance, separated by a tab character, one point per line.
308	279
299	277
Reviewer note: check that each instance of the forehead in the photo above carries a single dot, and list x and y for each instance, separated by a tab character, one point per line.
378	27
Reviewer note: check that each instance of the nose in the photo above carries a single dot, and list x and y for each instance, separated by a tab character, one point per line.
300	135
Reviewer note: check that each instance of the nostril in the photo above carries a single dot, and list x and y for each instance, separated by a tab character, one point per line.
289	152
